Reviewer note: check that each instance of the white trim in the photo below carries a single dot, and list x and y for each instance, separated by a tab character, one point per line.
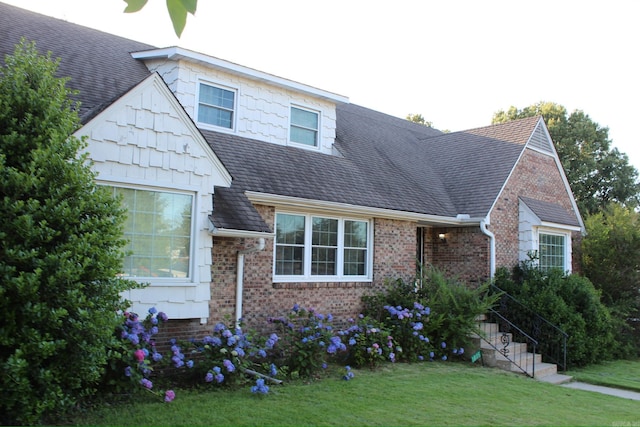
307	277
177	53
321	206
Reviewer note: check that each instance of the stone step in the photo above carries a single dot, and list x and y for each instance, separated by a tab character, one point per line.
496	339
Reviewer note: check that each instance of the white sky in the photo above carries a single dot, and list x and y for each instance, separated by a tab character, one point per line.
456	62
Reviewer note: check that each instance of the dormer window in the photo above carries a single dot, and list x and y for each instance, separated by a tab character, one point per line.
304	127
216	106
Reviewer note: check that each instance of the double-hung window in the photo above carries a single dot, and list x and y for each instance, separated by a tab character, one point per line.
310	247
552	251
216	106
304	127
158	229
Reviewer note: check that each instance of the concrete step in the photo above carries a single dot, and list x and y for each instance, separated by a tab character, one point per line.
555	378
513	349
521	361
496	339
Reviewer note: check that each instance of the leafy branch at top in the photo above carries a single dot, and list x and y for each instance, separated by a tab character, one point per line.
178	10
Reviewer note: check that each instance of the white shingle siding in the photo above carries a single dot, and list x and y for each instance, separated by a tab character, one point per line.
145	139
262	110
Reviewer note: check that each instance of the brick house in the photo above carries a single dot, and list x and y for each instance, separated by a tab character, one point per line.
249	192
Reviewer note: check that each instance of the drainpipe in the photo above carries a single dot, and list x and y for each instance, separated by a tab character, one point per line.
240	277
492	246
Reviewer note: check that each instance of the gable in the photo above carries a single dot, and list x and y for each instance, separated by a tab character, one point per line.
145	136
144	141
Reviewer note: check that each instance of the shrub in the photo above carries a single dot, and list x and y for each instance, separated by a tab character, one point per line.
61	249
442	310
307	341
369	343
568	301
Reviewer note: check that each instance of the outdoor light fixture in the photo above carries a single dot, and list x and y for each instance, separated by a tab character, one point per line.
442	237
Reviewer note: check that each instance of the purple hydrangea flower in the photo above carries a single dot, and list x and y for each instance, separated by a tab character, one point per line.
169	395
153	310
146	383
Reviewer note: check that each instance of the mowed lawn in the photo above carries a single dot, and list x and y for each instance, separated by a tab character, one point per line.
623	374
442	393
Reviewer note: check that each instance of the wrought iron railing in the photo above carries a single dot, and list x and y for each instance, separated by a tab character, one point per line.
551	341
519	354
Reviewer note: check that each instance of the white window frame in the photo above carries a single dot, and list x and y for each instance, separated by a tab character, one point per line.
567	245
340	276
192	277
234	112
318	133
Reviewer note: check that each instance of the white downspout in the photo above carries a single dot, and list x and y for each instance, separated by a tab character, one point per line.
492	246
240	277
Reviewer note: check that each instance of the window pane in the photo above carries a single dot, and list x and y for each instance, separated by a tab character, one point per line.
304	127
216	106
289	260
303	136
158	228
303	118
290	229
355	262
551	252
355	234
323	261
289	244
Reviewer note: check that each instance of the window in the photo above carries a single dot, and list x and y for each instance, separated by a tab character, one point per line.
304	127
216	106
310	247
552	251
158	228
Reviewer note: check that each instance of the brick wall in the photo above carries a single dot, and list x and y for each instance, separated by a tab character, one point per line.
394	256
464	254
535	176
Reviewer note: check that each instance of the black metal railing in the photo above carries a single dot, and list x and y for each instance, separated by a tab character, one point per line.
520	352
551	341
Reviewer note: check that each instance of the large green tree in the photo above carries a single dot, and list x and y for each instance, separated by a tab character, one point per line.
611	260
60	251
597	172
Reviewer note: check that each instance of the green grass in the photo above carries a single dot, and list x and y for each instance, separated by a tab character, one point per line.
623	374
419	394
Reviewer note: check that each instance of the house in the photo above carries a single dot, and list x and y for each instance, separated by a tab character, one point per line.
248	192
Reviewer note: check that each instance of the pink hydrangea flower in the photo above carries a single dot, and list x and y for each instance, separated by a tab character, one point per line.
139	355
169	396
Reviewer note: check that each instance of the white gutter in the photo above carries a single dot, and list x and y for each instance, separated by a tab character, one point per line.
240	277
492	246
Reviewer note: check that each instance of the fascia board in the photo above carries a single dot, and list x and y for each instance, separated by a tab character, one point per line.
348	209
177	53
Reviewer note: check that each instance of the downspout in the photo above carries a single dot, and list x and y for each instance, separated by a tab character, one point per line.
240	277
492	246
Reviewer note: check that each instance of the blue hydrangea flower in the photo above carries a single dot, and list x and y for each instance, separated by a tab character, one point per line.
153	310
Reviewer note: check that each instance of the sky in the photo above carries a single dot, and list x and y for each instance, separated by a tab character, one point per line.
456	62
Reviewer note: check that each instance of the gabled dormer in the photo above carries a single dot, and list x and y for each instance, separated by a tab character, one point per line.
227	97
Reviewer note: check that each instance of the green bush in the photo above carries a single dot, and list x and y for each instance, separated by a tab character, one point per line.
61	249
568	301
450	319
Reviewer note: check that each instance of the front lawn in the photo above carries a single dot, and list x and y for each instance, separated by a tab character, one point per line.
619	373
396	394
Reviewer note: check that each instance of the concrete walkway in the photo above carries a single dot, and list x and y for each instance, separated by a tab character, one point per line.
626	394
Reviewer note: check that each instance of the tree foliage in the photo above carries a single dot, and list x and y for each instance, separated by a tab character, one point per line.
418	118
611	259
177	9
61	248
597	172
